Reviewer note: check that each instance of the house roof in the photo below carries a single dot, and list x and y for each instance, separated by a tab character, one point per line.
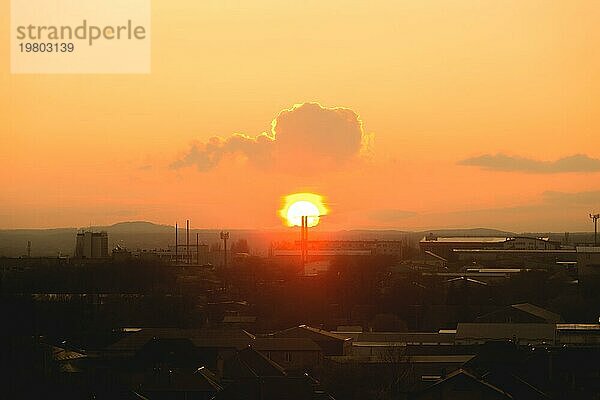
467	280
432	254
250	363
461	374
311	333
501	363
518	387
62	354
209	377
539	312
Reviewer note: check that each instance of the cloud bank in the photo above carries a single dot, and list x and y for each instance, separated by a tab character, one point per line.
503	162
302	138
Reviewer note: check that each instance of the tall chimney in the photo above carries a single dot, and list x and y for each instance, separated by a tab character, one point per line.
187	241
176	242
304	239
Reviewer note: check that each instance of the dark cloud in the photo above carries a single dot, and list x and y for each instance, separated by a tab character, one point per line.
503	162
304	136
206	156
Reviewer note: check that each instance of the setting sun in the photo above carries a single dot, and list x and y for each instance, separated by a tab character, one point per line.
298	205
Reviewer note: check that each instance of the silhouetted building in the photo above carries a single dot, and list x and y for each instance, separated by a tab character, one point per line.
91	245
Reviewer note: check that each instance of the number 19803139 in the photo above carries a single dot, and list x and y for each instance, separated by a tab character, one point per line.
46	47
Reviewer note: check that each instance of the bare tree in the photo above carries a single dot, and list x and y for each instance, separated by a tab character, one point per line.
400	368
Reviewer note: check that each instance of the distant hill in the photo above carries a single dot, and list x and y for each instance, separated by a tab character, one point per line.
136	227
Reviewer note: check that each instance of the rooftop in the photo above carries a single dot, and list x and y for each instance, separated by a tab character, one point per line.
310	332
578	327
539	312
466	239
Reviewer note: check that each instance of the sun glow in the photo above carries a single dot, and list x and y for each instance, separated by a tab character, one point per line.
298	205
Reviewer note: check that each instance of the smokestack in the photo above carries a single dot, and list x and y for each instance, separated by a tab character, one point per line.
176	243
187	241
304	239
197	249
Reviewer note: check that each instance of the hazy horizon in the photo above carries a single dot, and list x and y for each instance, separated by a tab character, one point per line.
319	229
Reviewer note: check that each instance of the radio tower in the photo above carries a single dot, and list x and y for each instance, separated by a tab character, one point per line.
595	217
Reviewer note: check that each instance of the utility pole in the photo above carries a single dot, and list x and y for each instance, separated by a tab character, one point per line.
595	217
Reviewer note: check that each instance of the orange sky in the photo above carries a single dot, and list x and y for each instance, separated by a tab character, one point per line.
434	83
